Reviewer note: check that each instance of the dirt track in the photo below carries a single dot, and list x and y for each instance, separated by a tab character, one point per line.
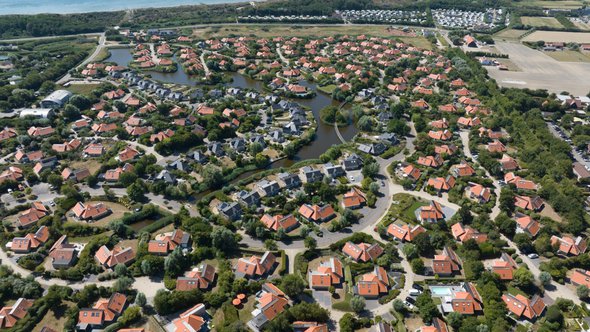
539	71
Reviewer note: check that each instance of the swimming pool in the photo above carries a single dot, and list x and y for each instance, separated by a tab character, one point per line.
441	291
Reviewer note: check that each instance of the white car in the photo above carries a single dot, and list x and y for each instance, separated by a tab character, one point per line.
414	292
409	305
533	256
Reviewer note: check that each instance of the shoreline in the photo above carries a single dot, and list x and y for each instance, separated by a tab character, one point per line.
44	9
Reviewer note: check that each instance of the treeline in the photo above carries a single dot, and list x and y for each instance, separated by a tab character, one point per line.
309	7
14	26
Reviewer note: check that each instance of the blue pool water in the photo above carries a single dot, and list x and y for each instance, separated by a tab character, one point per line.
441	291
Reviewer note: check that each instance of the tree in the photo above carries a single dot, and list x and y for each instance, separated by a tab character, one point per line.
175	263
506	225
71	112
292	285
140	299
455	319
131	314
224	239
422	242
136	191
523	278
127	178
417	265
507	200
122	284
370	170
582	292
310	243
374	187
545	278
426	307
347	323
465	215
365	123
270	244
121	270
398	305
357	303
554	315
255	148
212	177
410	251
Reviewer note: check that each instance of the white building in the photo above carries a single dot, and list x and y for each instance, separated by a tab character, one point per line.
56	99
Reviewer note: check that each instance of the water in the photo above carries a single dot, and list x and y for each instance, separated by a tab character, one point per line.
325	135
85	6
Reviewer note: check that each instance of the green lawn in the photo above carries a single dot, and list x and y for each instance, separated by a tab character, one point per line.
81	89
327	89
344	305
409	212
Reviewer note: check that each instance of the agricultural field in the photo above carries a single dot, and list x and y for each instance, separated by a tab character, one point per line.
557	4
582	25
569	56
509	34
537	21
559	36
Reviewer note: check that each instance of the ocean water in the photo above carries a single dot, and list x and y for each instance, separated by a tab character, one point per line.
84	6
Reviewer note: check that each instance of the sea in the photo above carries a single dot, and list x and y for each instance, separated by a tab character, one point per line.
8	7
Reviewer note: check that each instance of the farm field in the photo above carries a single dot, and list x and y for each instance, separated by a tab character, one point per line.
582	25
559	36
568	56
558	4
536	21
511	34
540	71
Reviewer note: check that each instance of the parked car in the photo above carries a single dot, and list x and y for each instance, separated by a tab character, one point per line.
410	300
418	287
409	305
533	256
414	292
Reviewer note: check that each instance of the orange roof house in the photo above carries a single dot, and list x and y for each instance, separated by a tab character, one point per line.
110	258
527	224
430	161
255	267
127	154
580	277
462	169
362	252
288	223
496	147
12	173
440	124
403	232
10	315
478	192
317	213
469	122
442	184
464	233
90	211
159	137
40	131
373	284
438	325
190	320
32	215
467	302
448	149
104	312
446	263
31	241
354	199
569	245
167	242
523	307
519	182
113	175
529	203
442	135
329	273
411	172
202	278
508	163
432	212
504	267
7	133
309	327
271	302
67	146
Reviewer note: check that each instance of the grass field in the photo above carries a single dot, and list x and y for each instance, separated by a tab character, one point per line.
554	4
509	34
582	25
117	212
55	318
269	31
559	36
537	21
568	56
92	165
82	89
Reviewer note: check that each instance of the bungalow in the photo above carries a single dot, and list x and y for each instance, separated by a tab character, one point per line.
411	172
468	122
7	133
271	302
287	223
328	273
441	135
231	211
202	277
373	284
333	171
354	199
568	245
268	188
463	233
30	216
299	326
580	277
432	212
519	182
10	315
100	128
442	184
534	203
127	154
508	163
440	124
113	175
255	267
478	192
316	213
431	161
110	258
526	224
504	267
462	169
520	306
447	149
289	181
104	312
167	242
496	147
447	263
39	132
194	319
13	173
467	301
67	146
91	211
30	242
404	233
76	175
63	255
438	325
161	136
362	252
310	175
352	162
